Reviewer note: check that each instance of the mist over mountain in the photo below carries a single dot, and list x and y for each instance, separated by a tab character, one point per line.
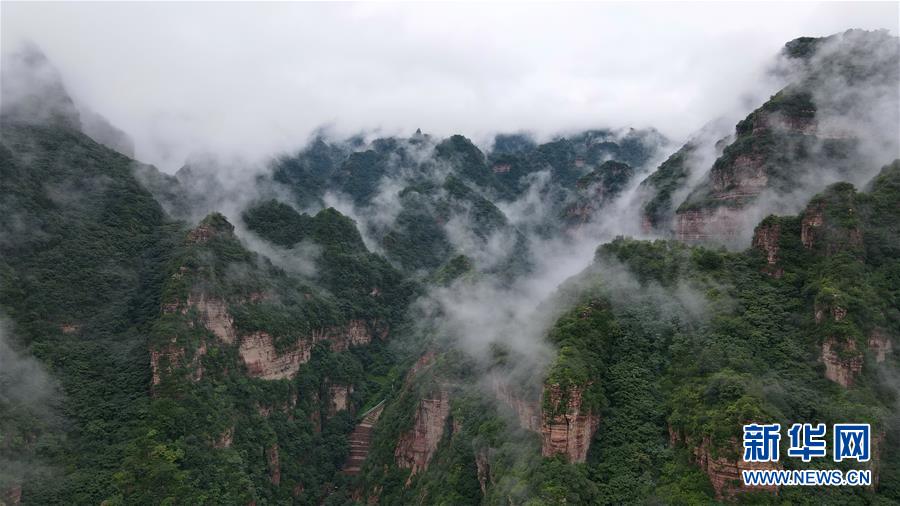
580	317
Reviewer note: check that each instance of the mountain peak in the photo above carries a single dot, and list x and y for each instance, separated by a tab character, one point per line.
33	90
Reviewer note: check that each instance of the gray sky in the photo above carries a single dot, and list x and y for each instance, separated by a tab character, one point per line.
248	80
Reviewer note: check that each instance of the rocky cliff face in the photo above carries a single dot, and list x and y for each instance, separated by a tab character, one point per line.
416	447
213	313
724	472
339	397
565	429
818	233
700	225
258	352
483	470
843	360
813	218
784	147
527	411
571	429
225	439
744	179
355	333
766	238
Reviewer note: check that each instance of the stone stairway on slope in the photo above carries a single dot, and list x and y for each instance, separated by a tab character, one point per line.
361	440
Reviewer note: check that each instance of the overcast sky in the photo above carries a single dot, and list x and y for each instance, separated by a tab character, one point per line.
253	79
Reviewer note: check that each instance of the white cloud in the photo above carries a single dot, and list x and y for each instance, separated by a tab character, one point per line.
251	79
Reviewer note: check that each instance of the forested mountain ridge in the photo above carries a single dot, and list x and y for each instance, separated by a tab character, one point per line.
834	120
192	347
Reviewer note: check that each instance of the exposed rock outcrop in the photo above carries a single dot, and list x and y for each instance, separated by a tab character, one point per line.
225	438
880	345
214	314
568	429
699	225
212	226
416	447
813	218
339	396
836	312
746	178
423	362
483	470
766	238
69	328
258	351
843	360
817	233
724	473
355	333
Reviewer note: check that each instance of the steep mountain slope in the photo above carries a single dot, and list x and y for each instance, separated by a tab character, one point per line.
82	259
668	351
835	120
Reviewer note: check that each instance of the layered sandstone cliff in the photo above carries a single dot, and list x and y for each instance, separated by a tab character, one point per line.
816	233
417	446
843	361
213	313
766	238
565	425
699	225
569	429
258	352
